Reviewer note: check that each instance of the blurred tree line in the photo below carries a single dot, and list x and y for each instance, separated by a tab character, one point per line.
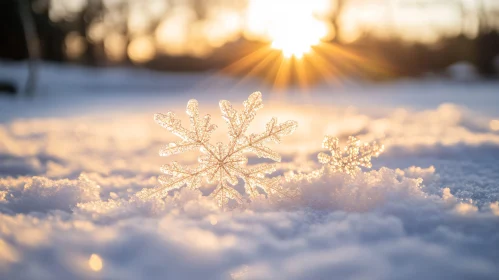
403	58
67	38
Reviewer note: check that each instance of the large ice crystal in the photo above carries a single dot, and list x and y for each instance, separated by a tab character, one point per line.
222	164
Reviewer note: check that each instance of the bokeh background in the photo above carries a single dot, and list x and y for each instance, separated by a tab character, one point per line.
314	41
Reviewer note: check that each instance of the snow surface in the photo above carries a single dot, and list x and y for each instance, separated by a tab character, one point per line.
73	155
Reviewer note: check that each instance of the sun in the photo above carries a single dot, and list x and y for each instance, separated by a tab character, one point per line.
291	26
295	38
295	45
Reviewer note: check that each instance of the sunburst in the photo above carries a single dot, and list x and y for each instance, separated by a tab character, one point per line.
298	50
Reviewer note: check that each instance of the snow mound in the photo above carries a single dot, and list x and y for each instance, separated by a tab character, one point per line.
40	194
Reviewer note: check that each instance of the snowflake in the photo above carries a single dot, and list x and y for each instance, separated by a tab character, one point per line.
351	158
348	160
222	163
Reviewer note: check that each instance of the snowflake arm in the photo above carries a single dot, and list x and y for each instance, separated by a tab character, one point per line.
238	123
223	193
179	176
273	133
254	177
192	139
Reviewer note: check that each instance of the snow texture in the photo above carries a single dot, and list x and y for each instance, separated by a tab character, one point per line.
428	208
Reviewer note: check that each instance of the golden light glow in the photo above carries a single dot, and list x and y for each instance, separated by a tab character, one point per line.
291	26
297	38
115	46
141	49
95	262
173	33
96	32
213	220
8	254
75	45
494	125
295	49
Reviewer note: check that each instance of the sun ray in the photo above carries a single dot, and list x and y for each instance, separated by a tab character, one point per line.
282	76
247	62
261	66
295	49
302	73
